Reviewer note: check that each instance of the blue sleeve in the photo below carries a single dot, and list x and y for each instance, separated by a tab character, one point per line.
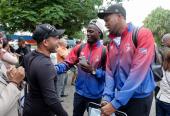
61	67
108	93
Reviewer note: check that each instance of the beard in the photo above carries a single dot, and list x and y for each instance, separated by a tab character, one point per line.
92	41
52	49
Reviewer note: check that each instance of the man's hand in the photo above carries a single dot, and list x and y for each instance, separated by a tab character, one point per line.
103	103
16	75
107	110
86	67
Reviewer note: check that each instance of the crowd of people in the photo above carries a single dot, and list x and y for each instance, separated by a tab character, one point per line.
118	76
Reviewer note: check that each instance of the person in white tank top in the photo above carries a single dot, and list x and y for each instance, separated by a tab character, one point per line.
163	96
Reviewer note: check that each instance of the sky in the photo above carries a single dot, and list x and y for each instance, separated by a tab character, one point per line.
138	10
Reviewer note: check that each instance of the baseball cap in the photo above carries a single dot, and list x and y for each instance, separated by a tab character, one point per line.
113	9
43	31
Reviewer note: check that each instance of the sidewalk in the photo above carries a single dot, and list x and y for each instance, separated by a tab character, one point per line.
68	101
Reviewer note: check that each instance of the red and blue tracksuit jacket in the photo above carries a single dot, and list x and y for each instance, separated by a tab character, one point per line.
128	72
87	85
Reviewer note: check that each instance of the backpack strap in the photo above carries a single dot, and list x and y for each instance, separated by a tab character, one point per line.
134	36
26	89
108	46
103	57
80	49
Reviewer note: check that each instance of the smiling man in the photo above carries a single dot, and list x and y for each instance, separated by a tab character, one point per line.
91	68
41	76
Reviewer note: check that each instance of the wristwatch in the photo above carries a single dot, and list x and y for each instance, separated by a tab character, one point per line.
94	72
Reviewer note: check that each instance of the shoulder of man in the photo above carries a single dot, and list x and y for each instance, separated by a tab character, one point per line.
143	34
36	58
144	31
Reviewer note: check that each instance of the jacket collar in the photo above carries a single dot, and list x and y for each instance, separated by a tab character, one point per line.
97	44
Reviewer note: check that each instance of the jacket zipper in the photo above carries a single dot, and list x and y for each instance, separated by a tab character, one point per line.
89	57
118	63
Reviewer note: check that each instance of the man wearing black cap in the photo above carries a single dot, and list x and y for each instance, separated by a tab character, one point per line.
129	79
41	99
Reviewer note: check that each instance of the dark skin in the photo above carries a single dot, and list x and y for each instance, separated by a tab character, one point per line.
93	34
115	24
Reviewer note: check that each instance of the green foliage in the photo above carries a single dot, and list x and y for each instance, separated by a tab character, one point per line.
26	14
79	35
159	22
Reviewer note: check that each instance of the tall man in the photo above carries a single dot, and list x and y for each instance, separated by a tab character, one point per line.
129	78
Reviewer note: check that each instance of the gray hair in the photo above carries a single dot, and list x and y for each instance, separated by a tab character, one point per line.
63	41
166	36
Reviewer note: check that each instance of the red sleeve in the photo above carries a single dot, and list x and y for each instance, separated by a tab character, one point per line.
72	57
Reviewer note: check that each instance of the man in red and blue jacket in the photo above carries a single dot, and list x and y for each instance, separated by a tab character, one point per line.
91	75
129	78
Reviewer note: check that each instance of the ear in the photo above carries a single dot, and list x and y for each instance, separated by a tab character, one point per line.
45	42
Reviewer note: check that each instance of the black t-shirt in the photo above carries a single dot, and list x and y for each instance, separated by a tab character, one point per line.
22	51
41	77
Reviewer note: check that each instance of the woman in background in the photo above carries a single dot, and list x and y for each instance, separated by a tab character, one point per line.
163	97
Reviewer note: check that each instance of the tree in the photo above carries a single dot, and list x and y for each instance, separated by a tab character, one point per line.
25	14
159	22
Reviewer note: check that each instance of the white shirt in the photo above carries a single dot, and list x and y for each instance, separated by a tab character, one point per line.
164	92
